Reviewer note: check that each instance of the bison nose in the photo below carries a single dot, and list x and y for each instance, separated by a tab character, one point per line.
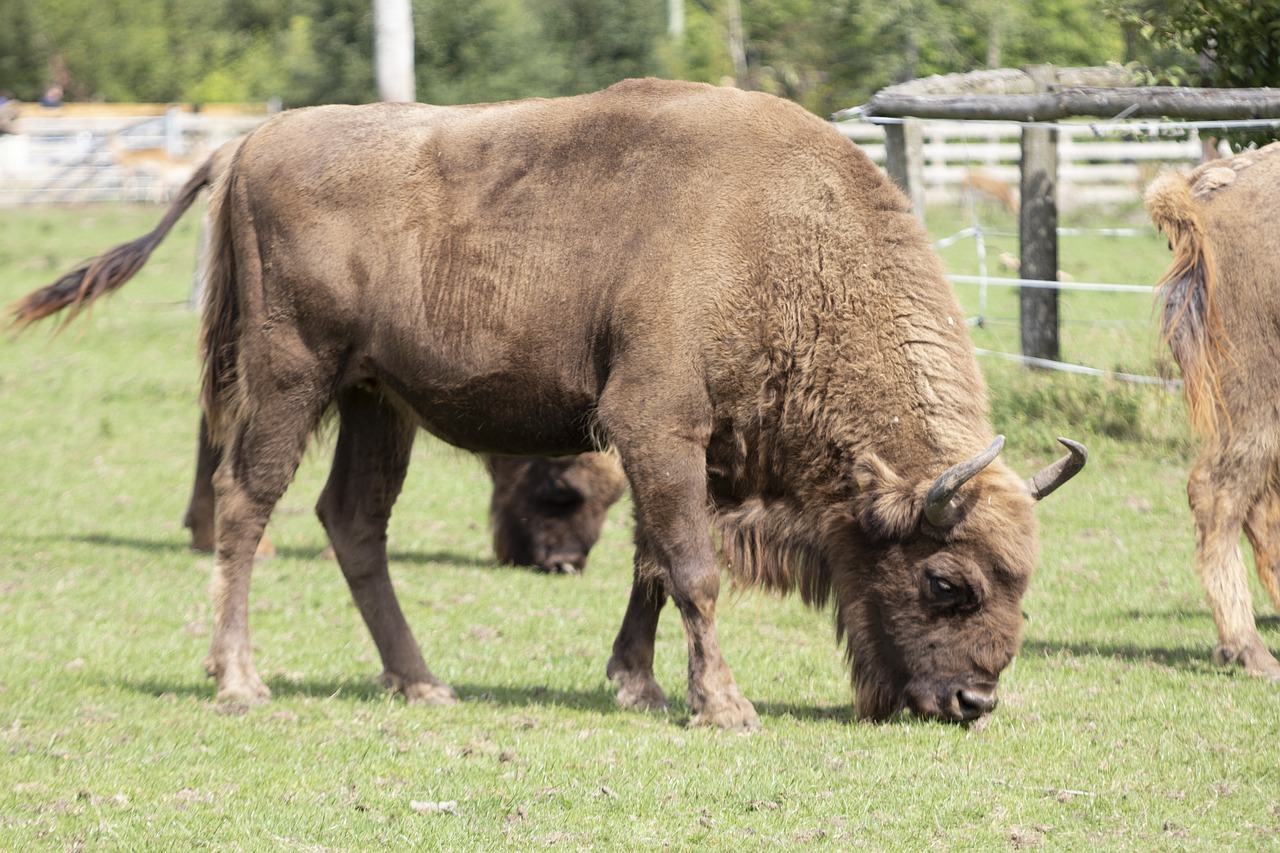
973	703
562	564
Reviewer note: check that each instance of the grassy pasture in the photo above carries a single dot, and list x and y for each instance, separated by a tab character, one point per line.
1114	731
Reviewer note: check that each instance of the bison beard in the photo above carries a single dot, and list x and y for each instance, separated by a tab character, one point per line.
1219	316
715	282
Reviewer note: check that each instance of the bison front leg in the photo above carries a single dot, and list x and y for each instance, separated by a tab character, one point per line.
1218	503
631	664
369	466
666	463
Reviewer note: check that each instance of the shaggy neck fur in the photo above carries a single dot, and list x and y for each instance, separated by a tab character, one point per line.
859	348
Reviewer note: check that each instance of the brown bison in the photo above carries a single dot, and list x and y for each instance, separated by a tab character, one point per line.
1220	316
713	282
545	513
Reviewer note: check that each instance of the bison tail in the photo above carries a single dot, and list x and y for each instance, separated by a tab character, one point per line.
220	328
1190	322
106	273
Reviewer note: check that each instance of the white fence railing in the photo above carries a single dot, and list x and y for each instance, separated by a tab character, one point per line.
114	156
110	155
1094	167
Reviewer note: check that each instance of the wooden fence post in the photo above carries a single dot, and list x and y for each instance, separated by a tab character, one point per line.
904	160
1038	233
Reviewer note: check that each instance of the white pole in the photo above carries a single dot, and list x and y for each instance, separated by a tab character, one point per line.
675	18
393	50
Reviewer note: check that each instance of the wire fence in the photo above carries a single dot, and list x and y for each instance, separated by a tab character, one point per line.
970	150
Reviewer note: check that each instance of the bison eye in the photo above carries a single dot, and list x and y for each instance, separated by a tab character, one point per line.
942	588
948	594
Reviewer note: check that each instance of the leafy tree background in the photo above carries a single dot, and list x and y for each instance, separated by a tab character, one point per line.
825	54
1218	43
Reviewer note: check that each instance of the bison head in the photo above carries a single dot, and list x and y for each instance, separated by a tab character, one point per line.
547	513
937	615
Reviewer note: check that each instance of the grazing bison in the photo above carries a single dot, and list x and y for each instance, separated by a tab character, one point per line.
545	513
714	282
1221	318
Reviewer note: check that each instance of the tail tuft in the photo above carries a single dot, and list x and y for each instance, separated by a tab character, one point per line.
1189	318
106	273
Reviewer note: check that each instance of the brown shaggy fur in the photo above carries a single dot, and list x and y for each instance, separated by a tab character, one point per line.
714	281
1189	315
1221	315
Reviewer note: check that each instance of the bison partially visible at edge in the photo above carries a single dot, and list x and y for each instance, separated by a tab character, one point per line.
1221	318
715	282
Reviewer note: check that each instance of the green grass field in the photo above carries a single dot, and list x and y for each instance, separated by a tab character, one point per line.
1114	730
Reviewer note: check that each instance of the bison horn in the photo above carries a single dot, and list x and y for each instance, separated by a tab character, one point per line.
937	503
1059	472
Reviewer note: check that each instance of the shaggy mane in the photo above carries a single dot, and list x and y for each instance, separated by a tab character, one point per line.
770	546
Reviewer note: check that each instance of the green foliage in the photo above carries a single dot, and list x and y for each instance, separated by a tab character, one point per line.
22	62
486	50
1213	43
825	54
603	42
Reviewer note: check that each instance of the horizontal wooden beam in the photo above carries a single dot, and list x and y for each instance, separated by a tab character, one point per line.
1140	102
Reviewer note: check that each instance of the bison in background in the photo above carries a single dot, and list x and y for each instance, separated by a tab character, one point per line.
1221	317
545	514
715	283
548	513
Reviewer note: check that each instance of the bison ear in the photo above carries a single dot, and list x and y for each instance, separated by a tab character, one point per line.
887	506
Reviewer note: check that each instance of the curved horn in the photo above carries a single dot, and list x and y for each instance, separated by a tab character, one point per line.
937	503
1059	472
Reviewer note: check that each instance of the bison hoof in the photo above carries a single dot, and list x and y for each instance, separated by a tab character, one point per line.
731	711
419	692
1253	656
245	686
639	692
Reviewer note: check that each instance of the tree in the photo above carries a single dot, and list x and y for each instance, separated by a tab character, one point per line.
1214	43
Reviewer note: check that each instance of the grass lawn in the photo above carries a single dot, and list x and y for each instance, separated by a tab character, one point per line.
1115	731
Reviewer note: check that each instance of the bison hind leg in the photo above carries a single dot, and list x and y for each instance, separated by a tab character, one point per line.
257	466
631	664
1263	529
1223	500
369	466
